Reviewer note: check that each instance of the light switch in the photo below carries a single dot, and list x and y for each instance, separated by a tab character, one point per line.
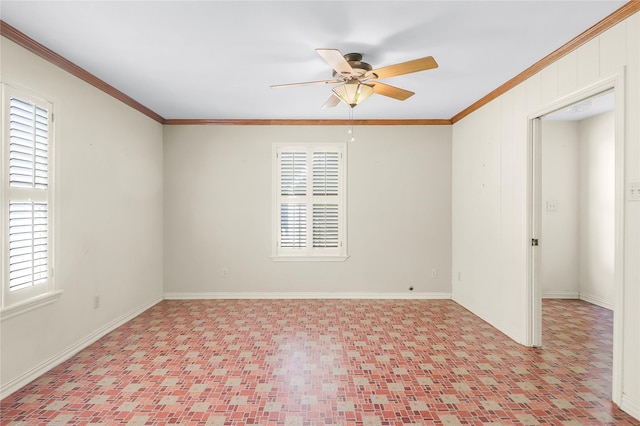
551	206
633	192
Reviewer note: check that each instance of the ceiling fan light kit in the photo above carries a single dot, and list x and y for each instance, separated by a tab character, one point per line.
359	79
353	92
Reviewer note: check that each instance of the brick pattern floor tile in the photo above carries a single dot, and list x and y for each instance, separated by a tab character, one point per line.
330	362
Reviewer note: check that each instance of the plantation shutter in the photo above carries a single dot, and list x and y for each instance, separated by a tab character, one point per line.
325	225
325	173
28	145
28	184
28	244
293	183
310	201
293	173
293	223
325	184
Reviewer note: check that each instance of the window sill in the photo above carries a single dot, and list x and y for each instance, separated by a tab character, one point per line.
309	258
26	306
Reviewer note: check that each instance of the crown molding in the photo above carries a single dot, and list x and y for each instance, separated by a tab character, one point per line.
420	122
44	52
616	17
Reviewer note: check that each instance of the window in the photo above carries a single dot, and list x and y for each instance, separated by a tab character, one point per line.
310	202
26	198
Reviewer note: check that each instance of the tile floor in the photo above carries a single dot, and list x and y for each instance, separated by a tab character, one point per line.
320	362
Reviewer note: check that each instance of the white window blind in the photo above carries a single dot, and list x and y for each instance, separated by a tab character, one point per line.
310	202
27	198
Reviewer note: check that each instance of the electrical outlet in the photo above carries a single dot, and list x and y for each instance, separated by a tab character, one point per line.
225	272
96	302
434	274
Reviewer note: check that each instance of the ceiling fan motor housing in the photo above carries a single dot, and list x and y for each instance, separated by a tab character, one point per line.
359	68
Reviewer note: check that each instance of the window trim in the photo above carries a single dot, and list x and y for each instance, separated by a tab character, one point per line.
13	303
310	254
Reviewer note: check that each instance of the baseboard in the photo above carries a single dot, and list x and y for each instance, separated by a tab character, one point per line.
304	295
560	295
596	301
630	406
19	382
585	297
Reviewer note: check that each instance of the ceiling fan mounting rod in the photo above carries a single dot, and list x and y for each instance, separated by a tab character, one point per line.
356	57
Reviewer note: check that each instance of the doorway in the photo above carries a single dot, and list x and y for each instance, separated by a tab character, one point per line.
565	213
577	215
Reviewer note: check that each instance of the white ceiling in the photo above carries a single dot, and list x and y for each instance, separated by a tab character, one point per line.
217	59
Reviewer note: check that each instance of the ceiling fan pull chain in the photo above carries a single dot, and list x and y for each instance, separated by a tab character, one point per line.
350	131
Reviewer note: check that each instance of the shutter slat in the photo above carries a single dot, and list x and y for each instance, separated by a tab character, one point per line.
18	146
21	244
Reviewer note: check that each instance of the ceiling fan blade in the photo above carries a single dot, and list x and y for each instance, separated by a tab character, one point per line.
336	60
306	83
408	67
391	91
331	102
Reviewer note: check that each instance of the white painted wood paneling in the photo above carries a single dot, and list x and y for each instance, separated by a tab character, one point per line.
480	269
613	50
478	235
533	92
509	190
588	62
568	73
631	334
549	83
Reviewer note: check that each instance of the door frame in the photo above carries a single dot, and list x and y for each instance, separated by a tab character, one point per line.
533	319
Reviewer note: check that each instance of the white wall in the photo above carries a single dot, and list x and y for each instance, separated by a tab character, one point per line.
217	213
108	236
490	193
559	264
597	209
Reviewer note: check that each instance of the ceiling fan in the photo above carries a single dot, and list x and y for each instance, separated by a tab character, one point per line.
358	80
